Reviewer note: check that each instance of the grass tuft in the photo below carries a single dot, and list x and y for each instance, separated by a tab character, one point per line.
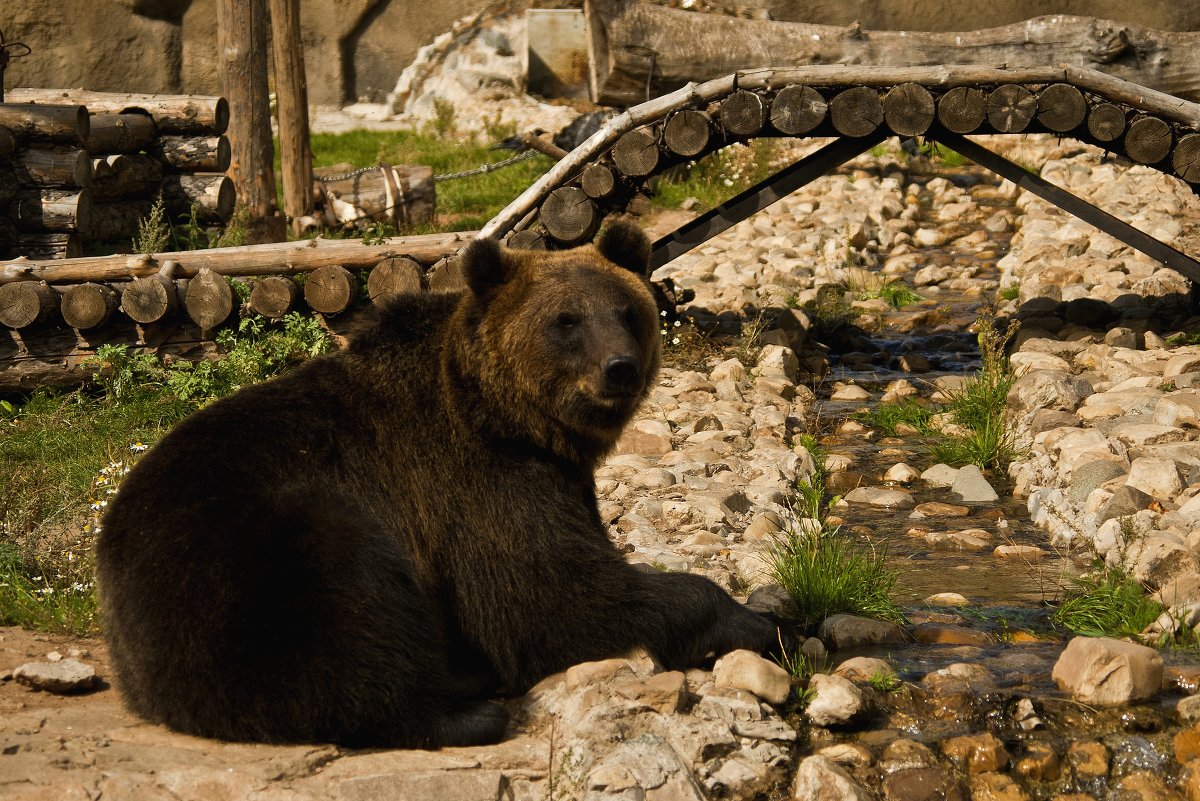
887	417
1107	604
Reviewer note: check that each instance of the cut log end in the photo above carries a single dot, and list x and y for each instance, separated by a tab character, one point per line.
1061	107
743	113
1186	159
687	132
88	306
569	215
1106	122
27	303
908	109
962	110
1148	140
330	289
636	153
796	110
529	239
274	296
209	299
394	276
857	111
1010	108
150	299
598	181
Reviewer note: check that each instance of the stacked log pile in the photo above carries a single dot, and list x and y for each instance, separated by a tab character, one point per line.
89	165
1146	126
54	314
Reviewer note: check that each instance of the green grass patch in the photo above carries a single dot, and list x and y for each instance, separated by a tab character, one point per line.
1011	291
722	174
897	294
979	406
63	454
827	573
463	204
1106	604
886	417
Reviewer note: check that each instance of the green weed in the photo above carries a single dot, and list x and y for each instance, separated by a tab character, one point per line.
1106	604
1011	291
897	294
886	417
153	230
30	598
884	682
722	174
827	573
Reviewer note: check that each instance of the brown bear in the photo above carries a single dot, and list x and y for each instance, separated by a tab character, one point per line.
369	548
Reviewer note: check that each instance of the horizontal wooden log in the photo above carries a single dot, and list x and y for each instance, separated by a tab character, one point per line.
8	185
27	303
88	306
598	181
53	210
796	110
405	195
686	133
529	239
65	167
192	153
61	124
118	220
49	246
1010	108
173	114
123	176
213	196
274	296
121	133
689	47
209	300
393	276
278	258
331	289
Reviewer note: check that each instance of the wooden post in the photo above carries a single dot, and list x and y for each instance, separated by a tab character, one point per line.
242	50
291	92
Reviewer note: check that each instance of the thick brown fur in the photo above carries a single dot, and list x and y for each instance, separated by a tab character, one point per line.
369	548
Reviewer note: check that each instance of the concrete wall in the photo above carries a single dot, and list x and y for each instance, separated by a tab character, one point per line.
355	49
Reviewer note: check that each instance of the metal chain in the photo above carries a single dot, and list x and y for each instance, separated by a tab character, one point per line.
450	176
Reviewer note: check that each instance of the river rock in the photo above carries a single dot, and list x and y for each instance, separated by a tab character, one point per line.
996	787
881	497
972	487
862	669
939	509
1155	476
1027	552
746	670
646	438
901	474
922	784
820	779
1125	500
849	392
777	361
948	634
647	764
1106	672
1089	476
850	631
940	475
835	700
61	677
946	599
1048	389
976	753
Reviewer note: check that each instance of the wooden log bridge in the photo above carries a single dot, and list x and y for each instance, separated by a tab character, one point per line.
857	106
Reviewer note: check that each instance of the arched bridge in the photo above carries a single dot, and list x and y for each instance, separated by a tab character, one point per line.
859	107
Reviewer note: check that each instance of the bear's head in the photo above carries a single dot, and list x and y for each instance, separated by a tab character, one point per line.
563	345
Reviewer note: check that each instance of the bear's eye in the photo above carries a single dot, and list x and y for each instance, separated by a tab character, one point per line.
567	320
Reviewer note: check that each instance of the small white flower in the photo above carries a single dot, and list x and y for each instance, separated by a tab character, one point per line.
677	323
675	341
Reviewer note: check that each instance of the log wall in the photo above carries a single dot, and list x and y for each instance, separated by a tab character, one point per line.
79	170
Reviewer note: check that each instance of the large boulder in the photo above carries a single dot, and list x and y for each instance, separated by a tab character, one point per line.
1106	672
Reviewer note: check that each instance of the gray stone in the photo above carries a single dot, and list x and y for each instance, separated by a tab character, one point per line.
746	670
835	700
64	676
1087	477
647	764
881	497
862	669
1156	476
1125	500
461	785
1104	671
849	631
820	779
972	487
940	475
777	361
1048	389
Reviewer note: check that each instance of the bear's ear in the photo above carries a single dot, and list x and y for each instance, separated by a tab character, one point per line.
625	245
485	266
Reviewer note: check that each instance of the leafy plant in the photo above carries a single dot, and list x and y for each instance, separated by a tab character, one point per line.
884	682
153	231
1107	603
887	417
897	294
1011	291
827	573
31	598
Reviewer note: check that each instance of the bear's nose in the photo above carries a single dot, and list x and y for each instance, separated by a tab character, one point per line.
621	374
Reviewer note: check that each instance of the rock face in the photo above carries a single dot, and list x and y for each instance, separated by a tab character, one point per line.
1103	671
